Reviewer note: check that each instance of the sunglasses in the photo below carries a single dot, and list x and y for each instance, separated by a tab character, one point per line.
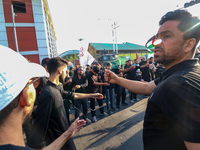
33	80
152	42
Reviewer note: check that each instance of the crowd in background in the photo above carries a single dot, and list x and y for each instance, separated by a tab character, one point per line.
141	70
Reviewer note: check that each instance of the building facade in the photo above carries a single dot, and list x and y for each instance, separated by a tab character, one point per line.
30	32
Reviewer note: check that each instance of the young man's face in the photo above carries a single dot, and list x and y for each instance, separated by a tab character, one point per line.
137	61
170	51
130	63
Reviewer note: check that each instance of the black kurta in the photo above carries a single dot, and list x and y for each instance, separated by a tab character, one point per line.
50	119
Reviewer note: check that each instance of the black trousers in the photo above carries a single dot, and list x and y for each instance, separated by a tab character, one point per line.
123	95
78	104
92	106
132	95
118	91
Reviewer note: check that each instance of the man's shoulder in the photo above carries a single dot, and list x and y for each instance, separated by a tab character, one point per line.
84	77
48	91
89	74
186	77
14	147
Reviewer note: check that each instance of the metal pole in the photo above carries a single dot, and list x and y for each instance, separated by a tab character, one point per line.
14	29
116	36
113	38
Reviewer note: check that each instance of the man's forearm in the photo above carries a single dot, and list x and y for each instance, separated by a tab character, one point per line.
82	96
59	142
137	86
125	70
84	85
98	83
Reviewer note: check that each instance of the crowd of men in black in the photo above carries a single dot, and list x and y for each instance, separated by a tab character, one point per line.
92	80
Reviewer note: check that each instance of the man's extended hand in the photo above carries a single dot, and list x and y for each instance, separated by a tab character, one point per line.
76	126
106	84
77	87
97	95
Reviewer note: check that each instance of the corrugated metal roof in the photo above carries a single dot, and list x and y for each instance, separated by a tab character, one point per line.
123	46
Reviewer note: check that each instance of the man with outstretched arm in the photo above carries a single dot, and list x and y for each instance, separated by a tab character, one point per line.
171	120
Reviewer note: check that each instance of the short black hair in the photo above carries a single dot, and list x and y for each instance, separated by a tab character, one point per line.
108	64
4	113
189	25
96	69
45	61
80	67
55	63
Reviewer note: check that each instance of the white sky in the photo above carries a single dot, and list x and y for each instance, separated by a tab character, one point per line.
92	19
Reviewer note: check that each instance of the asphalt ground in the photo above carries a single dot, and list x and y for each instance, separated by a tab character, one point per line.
121	130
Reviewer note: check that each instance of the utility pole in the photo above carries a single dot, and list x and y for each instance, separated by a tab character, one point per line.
14	28
113	34
114	27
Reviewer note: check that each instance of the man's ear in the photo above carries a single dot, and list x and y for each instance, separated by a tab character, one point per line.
59	70
23	100
189	44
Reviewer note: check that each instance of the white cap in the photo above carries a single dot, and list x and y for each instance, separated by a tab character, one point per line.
15	72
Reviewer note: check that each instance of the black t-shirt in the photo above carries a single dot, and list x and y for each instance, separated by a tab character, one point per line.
13	147
83	82
66	86
146	74
131	74
50	119
91	79
173	109
116	71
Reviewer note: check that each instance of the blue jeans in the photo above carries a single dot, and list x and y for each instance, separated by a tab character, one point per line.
109	97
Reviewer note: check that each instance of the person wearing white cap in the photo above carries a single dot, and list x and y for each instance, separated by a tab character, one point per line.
17	96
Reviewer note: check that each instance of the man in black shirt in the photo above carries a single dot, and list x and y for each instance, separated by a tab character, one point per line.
93	87
80	84
172	116
50	119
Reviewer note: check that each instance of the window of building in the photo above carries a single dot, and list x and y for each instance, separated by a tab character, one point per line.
19	7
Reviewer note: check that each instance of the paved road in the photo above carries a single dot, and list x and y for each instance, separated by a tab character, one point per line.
121	130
